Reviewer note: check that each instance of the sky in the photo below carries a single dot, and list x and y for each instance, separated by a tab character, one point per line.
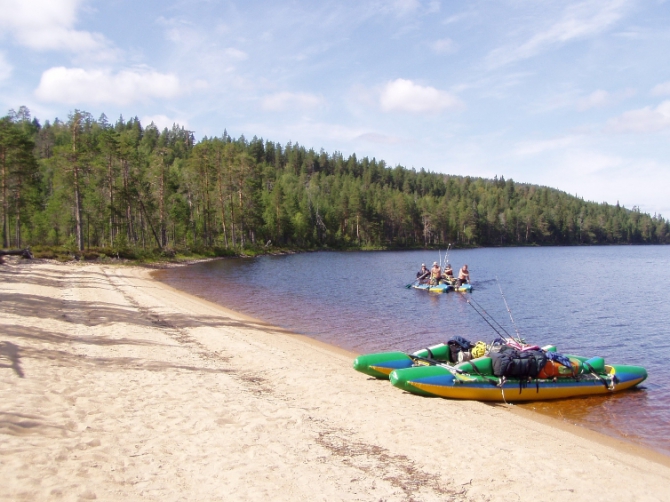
573	95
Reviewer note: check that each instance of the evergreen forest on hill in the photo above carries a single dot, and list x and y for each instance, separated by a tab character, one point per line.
90	184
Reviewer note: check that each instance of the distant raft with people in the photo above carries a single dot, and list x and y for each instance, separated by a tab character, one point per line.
441	279
442	287
504	371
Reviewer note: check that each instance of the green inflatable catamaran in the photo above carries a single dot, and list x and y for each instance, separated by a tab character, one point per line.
508	373
381	364
476	380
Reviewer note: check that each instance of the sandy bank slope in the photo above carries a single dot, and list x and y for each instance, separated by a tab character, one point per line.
117	387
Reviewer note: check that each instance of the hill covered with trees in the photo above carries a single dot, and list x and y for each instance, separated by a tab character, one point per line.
88	183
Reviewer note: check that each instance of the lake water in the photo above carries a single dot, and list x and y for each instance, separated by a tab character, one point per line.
612	302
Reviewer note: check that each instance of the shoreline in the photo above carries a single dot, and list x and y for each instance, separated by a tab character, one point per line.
575	429
164	264
117	386
228	311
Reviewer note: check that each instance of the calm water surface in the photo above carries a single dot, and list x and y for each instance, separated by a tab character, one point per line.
612	302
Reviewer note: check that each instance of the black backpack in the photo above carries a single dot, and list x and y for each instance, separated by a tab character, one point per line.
458	344
512	363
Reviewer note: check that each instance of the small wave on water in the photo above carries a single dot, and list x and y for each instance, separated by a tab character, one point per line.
611	302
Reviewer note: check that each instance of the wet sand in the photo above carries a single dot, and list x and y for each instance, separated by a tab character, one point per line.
117	387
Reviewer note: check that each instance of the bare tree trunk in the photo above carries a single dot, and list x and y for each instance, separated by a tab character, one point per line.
208	233
151	226
223	212
129	215
77	193
241	220
5	203
358	235
161	206
192	218
77	209
232	219
18	214
142	231
111	201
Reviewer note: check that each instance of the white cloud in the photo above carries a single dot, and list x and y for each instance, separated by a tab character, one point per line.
661	89
402	7
236	54
577	21
596	99
433	6
457	17
444	45
601	98
379	139
73	86
5	67
306	131
584	162
48	25
406	96
525	148
162	121
643	120
291	100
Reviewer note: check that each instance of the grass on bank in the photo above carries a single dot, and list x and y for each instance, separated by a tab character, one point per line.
139	255
134	255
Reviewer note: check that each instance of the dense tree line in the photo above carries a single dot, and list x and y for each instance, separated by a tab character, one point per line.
89	183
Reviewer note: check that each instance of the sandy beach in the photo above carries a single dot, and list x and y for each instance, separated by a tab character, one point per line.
117	387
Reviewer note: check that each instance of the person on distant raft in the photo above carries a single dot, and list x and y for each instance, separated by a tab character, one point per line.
422	274
463	276
435	274
448	274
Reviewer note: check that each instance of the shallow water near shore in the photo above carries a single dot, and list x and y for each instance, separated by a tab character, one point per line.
612	302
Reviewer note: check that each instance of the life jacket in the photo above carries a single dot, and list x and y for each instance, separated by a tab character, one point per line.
559	365
479	350
554	369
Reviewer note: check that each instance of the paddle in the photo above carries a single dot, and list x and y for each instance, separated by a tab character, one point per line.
419	276
434	362
415	283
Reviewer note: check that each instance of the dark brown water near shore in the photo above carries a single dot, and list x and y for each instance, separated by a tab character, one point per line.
582	300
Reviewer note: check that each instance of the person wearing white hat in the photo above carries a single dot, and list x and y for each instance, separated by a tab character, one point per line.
422	274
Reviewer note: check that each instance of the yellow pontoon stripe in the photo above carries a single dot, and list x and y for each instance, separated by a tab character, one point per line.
381	369
529	393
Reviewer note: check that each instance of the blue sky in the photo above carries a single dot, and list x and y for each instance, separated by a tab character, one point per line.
573	95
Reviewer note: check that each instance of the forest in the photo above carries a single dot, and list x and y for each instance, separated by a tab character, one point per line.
127	189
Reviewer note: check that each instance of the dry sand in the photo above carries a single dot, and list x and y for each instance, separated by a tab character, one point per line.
116	387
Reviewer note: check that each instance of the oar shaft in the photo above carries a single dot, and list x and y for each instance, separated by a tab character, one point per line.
508	310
